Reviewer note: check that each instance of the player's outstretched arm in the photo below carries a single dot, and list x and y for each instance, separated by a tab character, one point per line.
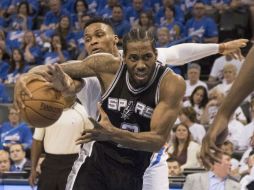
187	52
163	118
241	88
61	76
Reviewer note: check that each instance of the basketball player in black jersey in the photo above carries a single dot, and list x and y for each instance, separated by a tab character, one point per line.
139	106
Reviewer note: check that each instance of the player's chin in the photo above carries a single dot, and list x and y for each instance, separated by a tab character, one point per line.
141	81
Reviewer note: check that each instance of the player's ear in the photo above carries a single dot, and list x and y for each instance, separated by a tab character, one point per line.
116	39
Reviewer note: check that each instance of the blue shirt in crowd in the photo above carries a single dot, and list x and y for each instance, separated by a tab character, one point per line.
19	134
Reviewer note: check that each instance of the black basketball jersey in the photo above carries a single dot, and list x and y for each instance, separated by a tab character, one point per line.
130	109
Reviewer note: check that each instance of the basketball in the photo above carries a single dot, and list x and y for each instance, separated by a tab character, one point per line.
45	107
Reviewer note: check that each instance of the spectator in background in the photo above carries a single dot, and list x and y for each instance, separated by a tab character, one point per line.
59	53
176	28
5	163
120	25
163	37
229	75
247	180
133	12
178	13
184	150
14	131
145	21
80	8
197	100
22	19
106	12
174	168
33	6
53	16
207	28
79	37
32	51
216	74
187	116
228	147
216	178
17	66
4	66
215	99
193	79
18	158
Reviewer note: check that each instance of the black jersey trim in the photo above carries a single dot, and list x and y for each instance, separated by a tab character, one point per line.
157	93
114	82
139	90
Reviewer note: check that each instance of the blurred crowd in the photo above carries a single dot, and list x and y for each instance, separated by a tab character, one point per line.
34	32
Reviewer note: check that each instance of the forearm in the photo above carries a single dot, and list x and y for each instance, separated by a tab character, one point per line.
145	141
35	152
92	66
185	53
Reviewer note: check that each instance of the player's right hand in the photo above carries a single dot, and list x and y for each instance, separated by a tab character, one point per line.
21	89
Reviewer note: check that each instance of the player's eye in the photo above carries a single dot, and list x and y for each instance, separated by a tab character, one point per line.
133	58
147	56
87	39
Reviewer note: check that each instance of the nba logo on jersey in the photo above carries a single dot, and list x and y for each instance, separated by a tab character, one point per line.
129	107
128	110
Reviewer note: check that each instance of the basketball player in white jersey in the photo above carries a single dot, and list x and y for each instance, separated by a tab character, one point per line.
175	55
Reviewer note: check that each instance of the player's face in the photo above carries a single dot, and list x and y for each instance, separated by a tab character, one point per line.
140	59
99	38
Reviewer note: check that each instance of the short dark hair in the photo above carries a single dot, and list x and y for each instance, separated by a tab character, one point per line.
171	159
99	20
139	34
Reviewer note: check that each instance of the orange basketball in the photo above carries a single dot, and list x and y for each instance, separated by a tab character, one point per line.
45	107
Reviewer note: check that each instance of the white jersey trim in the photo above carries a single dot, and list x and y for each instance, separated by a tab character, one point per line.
85	152
114	82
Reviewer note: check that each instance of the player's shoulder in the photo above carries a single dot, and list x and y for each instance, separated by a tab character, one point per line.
172	84
173	79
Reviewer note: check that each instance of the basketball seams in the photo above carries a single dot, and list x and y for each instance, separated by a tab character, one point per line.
45	107
53	119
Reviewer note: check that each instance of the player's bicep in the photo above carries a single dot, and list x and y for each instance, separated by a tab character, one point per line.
171	94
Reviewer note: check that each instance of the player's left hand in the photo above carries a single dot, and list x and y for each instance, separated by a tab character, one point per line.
101	132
